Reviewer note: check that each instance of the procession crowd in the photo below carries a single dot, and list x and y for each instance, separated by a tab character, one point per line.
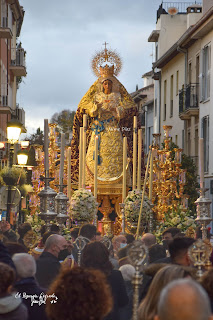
48	283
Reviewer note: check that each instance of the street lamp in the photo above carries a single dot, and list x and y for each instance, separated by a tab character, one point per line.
13	133
22	157
14	128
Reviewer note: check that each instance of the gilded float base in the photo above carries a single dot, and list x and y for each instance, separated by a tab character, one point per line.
109	199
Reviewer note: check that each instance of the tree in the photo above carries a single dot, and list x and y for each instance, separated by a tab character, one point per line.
36	138
64	120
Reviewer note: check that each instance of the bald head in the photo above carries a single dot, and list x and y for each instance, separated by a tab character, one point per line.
55	243
149	239
183	299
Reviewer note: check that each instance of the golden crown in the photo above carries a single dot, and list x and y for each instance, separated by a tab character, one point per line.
99	66
106	71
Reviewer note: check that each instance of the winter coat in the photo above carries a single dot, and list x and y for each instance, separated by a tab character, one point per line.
12	308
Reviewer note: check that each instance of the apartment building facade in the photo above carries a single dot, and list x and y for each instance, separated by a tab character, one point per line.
12	63
183	73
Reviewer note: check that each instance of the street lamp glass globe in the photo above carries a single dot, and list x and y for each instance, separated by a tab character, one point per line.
13	130
22	157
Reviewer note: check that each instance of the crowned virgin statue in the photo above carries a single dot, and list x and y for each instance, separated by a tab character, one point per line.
110	111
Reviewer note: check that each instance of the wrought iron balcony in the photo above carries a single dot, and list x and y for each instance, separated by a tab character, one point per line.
189	101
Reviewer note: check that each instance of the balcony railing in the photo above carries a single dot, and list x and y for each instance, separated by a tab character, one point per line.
181	6
5	29
18	57
188	98
18	66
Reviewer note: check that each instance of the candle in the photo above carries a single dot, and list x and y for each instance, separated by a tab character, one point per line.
151	175
80	159
201	158
84	149
69	173
139	158
124	168
61	173
134	152
96	168
46	145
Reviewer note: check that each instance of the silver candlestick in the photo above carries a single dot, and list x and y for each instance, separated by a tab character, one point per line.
137	254
47	201
203	212
61	208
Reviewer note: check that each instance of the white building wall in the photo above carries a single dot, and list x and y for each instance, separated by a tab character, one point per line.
171	29
177	64
206	107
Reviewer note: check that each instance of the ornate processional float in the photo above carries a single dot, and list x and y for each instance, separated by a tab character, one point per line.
100	161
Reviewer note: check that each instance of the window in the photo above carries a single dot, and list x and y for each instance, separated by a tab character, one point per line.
155	107
190	73
164	109
156	51
177	82
176	139
205	132
183	137
171	96
205	73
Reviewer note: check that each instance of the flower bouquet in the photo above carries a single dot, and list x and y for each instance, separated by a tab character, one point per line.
179	218
132	210
83	205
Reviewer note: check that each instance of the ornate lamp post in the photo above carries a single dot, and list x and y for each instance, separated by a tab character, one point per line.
13	133
47	195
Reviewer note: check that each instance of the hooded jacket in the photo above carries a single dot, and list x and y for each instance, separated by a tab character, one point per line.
12	308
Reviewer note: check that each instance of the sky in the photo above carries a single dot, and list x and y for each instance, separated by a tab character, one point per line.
60	39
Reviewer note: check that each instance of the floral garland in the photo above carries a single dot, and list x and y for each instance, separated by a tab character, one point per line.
132	206
178	218
83	205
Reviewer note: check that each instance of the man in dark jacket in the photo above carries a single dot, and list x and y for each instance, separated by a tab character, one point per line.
27	287
48	264
5	256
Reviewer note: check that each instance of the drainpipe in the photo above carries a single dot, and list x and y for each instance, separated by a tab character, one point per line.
185	51
159	115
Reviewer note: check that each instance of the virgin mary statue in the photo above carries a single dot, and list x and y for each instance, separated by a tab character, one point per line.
110	111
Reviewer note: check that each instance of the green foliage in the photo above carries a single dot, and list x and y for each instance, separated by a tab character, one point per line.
25	189
13	176
64	120
36	138
191	185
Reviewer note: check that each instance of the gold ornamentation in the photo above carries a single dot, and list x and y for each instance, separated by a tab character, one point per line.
104	56
30	239
199	253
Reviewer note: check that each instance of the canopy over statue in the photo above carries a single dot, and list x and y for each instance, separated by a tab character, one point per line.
110	111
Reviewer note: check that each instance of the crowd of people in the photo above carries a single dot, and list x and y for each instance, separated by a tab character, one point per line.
49	282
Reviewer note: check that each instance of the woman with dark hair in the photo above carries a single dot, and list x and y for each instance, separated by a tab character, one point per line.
22	230
79	294
96	256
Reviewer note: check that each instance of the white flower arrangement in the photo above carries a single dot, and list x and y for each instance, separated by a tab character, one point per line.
35	222
132	206
176	218
83	205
